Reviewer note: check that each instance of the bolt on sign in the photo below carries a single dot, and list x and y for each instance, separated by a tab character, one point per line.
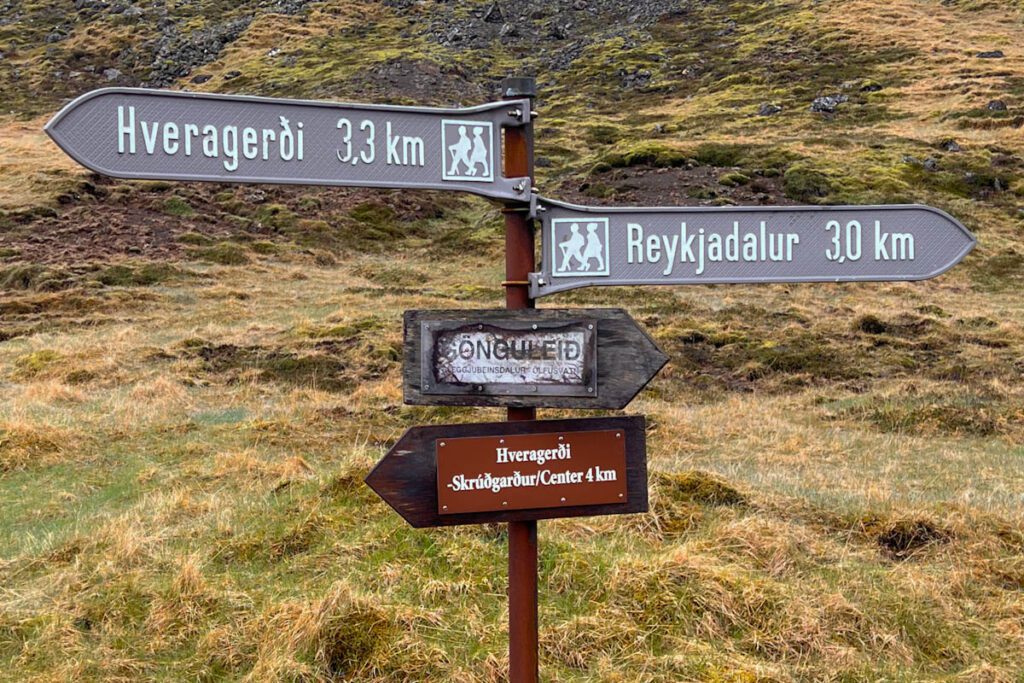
165	135
573	358
503	471
586	246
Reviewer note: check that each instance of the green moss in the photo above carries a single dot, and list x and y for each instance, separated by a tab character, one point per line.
223	253
698	487
805	184
33	363
646	154
1002	270
277	216
195	238
34	277
603	134
733	179
142	275
719	154
176	206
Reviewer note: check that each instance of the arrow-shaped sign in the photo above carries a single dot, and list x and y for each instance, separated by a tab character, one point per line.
589	246
164	135
572	358
512	471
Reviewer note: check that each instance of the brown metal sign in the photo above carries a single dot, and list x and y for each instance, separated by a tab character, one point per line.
599	467
556	469
510	357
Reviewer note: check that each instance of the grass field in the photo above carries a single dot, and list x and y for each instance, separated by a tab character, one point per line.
196	379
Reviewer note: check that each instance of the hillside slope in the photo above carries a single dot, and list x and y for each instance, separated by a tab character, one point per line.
196	378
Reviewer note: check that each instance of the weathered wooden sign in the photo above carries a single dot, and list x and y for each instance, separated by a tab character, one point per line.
166	135
503	471
586	246
578	358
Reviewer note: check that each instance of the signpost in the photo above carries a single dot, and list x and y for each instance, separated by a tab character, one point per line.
448	475
587	246
521	470
164	135
570	358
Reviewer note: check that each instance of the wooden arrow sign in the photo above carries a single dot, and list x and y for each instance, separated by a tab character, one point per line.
578	358
513	471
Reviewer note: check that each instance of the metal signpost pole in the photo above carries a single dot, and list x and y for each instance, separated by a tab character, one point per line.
519	263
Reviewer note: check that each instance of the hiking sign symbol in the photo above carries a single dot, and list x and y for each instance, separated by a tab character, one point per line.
579	247
469	154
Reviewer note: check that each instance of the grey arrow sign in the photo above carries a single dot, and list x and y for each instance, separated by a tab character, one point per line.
165	135
588	246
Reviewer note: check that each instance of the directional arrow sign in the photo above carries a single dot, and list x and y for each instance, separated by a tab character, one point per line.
576	358
163	135
585	246
513	471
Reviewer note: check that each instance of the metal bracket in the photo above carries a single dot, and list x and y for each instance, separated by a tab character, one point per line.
520	113
537	284
520	186
536	208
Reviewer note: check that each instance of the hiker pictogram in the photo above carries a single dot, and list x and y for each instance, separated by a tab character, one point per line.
582	247
467	146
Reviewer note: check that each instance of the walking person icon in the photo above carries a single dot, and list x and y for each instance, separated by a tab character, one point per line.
460	152
594	249
479	155
571	248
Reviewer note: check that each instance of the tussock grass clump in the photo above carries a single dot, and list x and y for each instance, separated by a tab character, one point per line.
579	642
698	487
339	637
223	253
37	362
957	411
33	277
26	445
324	367
177	206
901	538
139	275
805	184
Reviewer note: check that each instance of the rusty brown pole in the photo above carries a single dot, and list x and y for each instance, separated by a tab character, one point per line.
519	263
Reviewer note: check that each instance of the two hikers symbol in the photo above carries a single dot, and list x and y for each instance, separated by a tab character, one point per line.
583	249
469	152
